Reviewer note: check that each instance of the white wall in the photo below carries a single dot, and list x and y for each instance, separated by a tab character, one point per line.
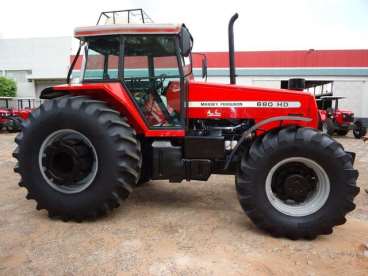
356	93
355	89
39	58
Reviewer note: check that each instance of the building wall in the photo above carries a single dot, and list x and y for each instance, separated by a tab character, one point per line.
355	89
36	63
27	60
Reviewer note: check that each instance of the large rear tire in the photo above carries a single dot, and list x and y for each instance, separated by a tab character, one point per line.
297	183
77	158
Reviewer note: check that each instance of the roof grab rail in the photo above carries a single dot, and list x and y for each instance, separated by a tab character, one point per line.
131	16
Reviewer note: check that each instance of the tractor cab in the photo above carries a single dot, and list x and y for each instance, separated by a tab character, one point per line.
152	62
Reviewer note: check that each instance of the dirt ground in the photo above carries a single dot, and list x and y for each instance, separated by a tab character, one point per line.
195	228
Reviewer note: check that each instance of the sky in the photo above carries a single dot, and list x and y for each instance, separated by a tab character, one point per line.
262	24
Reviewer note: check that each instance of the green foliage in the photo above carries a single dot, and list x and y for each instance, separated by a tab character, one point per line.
8	87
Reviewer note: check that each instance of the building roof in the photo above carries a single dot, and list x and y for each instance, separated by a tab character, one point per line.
82	32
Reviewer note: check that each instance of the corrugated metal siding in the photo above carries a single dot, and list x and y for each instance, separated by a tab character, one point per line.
272	59
310	58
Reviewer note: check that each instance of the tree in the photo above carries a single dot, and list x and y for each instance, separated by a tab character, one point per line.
8	87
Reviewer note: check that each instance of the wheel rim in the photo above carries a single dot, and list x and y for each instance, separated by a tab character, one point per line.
297	186
68	161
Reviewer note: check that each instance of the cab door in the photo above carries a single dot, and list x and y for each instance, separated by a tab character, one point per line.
152	74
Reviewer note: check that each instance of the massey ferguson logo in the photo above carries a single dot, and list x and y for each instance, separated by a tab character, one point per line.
245	104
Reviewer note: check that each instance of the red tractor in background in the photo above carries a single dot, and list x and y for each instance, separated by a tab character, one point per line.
137	114
337	120
13	111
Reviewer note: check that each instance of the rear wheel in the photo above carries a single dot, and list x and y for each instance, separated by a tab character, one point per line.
297	183
359	130
14	124
77	158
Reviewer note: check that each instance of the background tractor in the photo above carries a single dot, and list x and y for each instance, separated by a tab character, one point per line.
337	120
13	111
137	114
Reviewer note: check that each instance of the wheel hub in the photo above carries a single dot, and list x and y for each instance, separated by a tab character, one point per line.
297	186
68	161
293	181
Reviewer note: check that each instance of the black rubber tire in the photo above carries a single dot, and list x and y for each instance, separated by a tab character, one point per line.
328	127
14	124
146	169
275	146
360	130
142	180
118	151
342	132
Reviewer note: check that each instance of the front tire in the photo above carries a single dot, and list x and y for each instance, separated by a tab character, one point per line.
297	183
359	130
77	158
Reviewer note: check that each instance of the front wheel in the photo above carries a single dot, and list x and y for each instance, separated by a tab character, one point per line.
359	130
297	183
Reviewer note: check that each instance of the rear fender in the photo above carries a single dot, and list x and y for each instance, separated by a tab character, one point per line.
112	93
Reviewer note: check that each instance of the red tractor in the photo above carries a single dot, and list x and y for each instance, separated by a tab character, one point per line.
337	120
137	114
13	111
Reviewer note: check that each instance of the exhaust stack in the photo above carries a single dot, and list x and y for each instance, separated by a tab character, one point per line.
231	48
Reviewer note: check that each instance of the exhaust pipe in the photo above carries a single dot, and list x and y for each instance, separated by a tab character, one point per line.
231	48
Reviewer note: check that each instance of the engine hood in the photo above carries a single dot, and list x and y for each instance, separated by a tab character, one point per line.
211	100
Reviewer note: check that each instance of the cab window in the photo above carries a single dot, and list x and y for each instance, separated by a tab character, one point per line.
102	59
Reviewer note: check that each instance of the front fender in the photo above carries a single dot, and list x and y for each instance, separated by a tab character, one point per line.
260	124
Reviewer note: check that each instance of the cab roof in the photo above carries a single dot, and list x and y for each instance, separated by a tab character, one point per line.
100	30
